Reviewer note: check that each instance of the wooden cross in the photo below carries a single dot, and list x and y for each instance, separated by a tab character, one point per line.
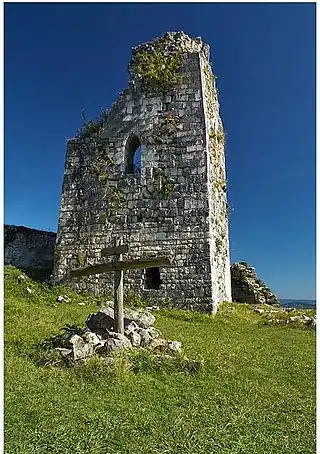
119	267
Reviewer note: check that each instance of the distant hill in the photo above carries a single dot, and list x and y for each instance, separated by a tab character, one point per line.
306	304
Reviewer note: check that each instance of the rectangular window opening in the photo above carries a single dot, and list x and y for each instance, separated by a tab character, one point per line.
153	280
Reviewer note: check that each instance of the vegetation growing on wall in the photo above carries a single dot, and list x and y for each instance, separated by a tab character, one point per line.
162	185
170	122
218	136
221	242
209	74
115	200
81	258
101	165
216	147
221	183
157	70
228	209
166	187
92	126
89	128
168	125
210	90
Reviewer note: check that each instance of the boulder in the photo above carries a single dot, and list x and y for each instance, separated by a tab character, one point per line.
158	344
113	344
164	345
174	346
131	328
146	339
80	348
101	321
104	319
109	311
91	338
146	320
135	338
115	335
143	319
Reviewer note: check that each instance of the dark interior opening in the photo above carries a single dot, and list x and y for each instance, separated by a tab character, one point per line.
133	155
153	280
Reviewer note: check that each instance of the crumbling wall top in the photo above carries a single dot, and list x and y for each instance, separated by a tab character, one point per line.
157	63
173	42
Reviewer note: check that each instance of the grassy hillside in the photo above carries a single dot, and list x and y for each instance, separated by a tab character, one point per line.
255	395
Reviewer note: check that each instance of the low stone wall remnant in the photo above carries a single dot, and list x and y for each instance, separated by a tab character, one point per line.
29	249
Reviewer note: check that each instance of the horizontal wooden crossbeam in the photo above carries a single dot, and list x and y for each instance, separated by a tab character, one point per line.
129	265
122	249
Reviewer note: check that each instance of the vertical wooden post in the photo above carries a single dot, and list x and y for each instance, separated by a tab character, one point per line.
118	295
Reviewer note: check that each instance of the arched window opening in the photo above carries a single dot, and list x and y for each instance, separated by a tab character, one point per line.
133	155
137	160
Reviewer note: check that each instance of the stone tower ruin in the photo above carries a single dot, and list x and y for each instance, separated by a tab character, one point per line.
174	202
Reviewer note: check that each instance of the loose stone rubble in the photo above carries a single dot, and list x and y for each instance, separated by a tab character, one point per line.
248	288
281	316
100	338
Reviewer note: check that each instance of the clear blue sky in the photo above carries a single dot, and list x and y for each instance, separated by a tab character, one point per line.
62	58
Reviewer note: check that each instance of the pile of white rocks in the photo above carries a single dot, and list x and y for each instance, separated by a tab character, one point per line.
100	338
285	316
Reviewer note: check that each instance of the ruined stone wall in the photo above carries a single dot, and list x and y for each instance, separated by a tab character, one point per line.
248	288
177	204
29	249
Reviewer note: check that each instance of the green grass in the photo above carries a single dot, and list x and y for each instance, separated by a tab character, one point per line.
256	393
